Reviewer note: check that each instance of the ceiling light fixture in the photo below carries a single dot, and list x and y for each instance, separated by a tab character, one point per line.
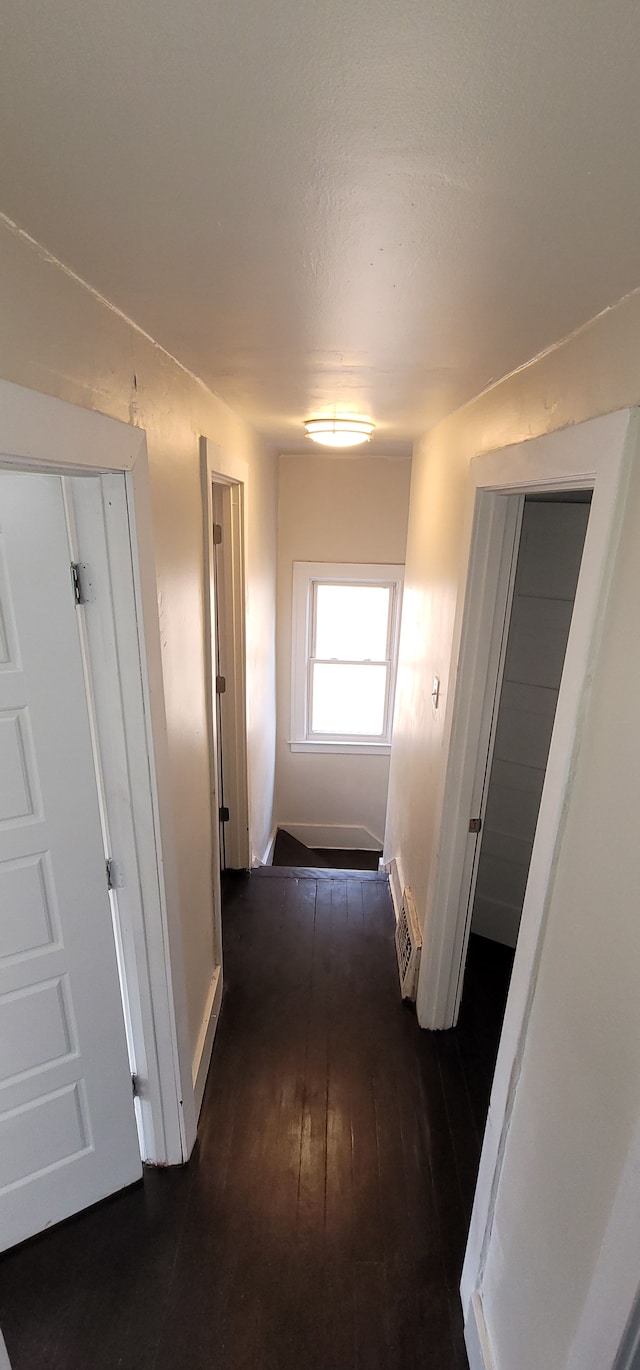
339	432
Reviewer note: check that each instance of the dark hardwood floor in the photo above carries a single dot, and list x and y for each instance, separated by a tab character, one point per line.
288	851
321	1221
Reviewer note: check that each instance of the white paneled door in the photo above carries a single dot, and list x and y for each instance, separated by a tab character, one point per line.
67	1126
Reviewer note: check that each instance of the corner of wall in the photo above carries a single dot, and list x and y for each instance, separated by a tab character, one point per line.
476	1337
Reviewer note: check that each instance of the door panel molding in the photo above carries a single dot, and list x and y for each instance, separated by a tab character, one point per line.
40	433
67	1127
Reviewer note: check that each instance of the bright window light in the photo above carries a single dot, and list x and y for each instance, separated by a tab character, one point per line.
345	640
352	622
348	699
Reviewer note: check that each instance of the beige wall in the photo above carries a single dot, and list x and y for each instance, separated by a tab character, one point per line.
577	1099
59	338
339	508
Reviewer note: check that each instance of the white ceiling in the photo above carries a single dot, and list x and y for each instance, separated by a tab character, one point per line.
378	204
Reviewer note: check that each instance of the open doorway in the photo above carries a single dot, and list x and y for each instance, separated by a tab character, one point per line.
519	725
596	455
224	490
225	494
228	646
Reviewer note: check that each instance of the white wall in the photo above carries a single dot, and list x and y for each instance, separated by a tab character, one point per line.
578	1097
344	509
56	336
549	559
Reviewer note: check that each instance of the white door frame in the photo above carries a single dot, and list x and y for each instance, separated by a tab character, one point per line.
40	433
492	572
608	1332
596	454
219	469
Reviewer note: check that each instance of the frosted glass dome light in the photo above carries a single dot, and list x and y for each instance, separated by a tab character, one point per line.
339	432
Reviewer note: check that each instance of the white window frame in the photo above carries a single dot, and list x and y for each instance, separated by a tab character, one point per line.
306	575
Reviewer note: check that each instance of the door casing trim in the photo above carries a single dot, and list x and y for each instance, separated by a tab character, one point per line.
219	469
42	433
596	454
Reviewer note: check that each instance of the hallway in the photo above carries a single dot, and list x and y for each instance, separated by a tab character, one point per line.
321	1222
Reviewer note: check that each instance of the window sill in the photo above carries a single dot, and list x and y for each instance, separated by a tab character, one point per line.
353	748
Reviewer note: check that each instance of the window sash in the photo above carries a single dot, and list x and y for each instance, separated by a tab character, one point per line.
352	585
386	661
307	576
314	736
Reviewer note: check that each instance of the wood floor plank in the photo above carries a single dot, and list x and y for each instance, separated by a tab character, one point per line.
339	1210
372	1325
340	1314
313	1142
322	1219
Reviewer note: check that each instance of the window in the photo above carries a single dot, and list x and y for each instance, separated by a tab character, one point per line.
344	654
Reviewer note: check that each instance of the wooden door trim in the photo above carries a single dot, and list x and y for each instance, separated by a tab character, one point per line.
39	433
596	454
218	467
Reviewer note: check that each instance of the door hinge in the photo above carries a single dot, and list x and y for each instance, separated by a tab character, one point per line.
135	1086
221	684
475	824
223	813
76	582
83	590
115	877
217	534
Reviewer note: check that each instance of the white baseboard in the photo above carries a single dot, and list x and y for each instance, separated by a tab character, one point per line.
395	884
267	858
338	837
204	1047
476	1337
